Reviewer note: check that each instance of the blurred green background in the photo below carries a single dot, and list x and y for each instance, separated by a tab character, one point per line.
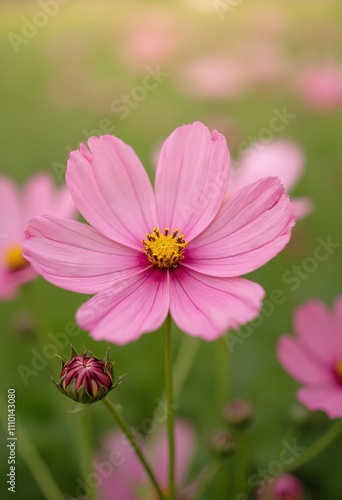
65	82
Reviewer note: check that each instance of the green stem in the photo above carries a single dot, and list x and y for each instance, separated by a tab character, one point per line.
203	480
317	447
32	458
169	403
240	465
224	478
86	452
128	433
185	358
222	381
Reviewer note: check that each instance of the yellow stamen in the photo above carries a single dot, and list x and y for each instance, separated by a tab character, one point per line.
165	250
14	259
339	369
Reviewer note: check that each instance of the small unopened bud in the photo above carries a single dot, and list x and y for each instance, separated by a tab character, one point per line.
222	443
238	413
23	323
86	379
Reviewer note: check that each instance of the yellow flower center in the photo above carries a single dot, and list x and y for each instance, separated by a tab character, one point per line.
14	259
165	250
339	369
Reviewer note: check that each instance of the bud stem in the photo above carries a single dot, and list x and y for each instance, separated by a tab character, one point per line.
169	402
222	373
240	472
128	433
86	452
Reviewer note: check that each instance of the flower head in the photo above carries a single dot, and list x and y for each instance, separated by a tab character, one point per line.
215	77
284	487
38	197
222	443
321	86
153	37
180	248
86	379
128	479
282	158
314	356
238	413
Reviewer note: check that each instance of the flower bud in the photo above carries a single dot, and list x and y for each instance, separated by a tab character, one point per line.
238	413
86	379
222	443
23	323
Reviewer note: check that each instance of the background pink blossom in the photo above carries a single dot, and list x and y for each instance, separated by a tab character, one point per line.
39	196
282	158
128	477
314	356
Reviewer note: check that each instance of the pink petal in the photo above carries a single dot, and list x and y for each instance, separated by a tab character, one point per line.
127	461
42	197
280	158
7	288
303	207
128	308
337	320
126	470
191	179
315	326
112	190
247	232
328	399
206	306
76	257
298	362
185	444
124	489
11	281
10	216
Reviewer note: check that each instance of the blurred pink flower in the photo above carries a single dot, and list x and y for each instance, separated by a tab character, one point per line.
233	75
178	249
152	39
321	87
128	478
281	158
37	198
266	65
215	77
284	487
314	357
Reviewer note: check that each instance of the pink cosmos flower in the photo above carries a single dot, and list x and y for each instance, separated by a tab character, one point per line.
314	357
179	249
153	38
214	77
38	197
282	158
265	63
128	478
284	487
321	87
